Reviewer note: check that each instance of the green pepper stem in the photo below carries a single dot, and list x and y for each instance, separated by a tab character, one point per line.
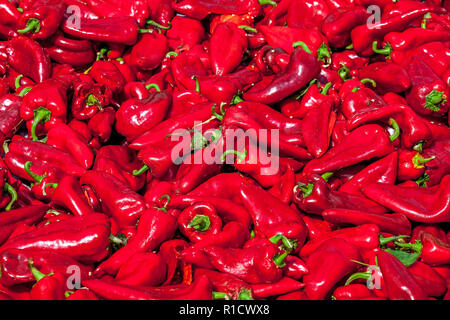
24	91
38	275
245	294
17	81
386	50
53	185
368	80
165	196
358	275
248	28
419	161
279	259
416	246
327	175
427	16
156	24
171	54
40	115
220	295
68	293
200	223
434	99
197	84
241	155
396	127
264	2
344	72
349	47
36	177
305	189
9	188
141	170
153	86
33	25
326	88
301	44
384	240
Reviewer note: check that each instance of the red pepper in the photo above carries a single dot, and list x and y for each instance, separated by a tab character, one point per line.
364	35
295	268
68	193
283	286
400	283
440	166
76	53
142	269
429	95
395	223
361	144
201	289
365	236
280	219
11	219
89	98
307	14
83	238
200	114
435	251
352	292
108	74
199	9
327	266
199	221
10	119
120	162
301	69
138	9
286	37
161	11
414	128
257	264
154	227
185	33
136	116
224	58
383	171
43	157
102	123
81	294
123	30
411	165
148	53
337	25
388	76
15	269
47	287
418	204
233	235
42	18
117	198
65	138
38	65
431	281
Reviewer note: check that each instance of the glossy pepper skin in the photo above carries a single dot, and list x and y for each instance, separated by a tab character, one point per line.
226	60
123	30
117	198
149	51
201	289
136	116
400	284
83	238
15	268
302	67
242	262
199	9
418	204
199	221
22	49
42	18
271	216
142	269
154	227
363	143
28	215
435	251
313	195
395	223
429	95
328	265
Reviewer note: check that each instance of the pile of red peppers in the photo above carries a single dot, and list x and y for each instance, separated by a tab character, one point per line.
351	202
